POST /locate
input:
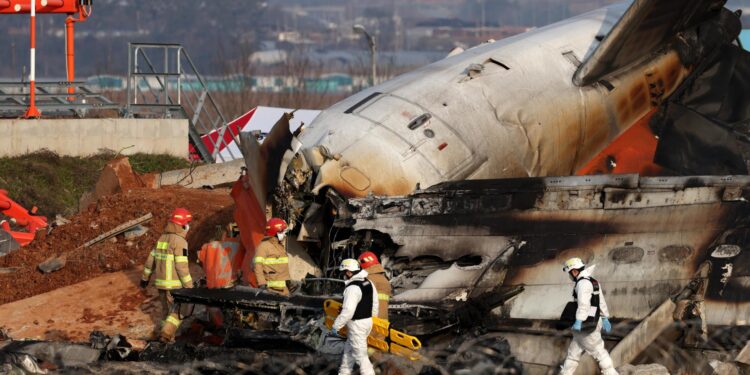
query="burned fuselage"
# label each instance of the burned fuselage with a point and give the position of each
(648, 238)
(539, 104)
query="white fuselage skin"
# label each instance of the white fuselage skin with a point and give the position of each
(486, 121)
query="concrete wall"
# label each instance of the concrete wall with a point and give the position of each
(83, 137)
(204, 175)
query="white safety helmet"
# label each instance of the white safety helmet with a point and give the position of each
(351, 265)
(573, 264)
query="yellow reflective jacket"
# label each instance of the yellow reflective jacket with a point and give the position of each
(271, 263)
(376, 274)
(168, 261)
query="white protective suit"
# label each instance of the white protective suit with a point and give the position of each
(592, 343)
(357, 330)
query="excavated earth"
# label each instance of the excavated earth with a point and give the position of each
(209, 208)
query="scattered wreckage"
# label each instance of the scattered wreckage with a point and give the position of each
(486, 255)
(656, 87)
(10, 238)
(653, 88)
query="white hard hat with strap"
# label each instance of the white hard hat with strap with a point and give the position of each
(351, 265)
(573, 264)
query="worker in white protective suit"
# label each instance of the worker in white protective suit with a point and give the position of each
(360, 305)
(591, 316)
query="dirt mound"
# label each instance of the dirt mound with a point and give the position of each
(209, 208)
(55, 183)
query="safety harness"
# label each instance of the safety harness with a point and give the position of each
(364, 307)
(589, 325)
(568, 315)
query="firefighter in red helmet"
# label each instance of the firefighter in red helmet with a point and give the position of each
(168, 262)
(271, 261)
(369, 262)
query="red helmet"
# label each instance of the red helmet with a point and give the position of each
(181, 216)
(274, 226)
(368, 259)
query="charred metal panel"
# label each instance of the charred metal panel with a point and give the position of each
(703, 129)
(682, 182)
(264, 161)
(536, 184)
(646, 239)
(618, 199)
(249, 298)
(644, 29)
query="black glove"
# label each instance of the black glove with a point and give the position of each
(144, 284)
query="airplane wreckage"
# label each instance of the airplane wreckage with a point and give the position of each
(447, 173)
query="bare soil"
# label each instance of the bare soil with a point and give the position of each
(209, 208)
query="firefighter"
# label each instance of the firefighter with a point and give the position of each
(271, 261)
(221, 261)
(231, 239)
(359, 306)
(168, 262)
(376, 273)
(591, 306)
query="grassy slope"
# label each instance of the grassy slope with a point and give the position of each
(55, 183)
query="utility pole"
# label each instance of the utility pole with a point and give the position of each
(482, 19)
(373, 51)
(32, 111)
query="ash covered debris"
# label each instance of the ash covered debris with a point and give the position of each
(476, 353)
(297, 327)
(704, 128)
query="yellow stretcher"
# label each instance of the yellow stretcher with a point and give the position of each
(382, 337)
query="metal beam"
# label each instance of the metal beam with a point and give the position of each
(637, 340)
(744, 356)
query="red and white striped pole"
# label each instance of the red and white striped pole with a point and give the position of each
(33, 111)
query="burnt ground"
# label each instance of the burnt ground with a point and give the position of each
(209, 208)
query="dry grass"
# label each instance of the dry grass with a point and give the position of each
(55, 183)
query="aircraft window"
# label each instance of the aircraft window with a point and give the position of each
(726, 251)
(627, 254)
(419, 121)
(498, 63)
(675, 254)
(469, 260)
(607, 84)
(571, 56)
(362, 102)
(429, 133)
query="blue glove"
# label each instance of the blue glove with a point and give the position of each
(577, 325)
(606, 325)
(335, 332)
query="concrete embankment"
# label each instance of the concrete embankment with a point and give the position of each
(84, 137)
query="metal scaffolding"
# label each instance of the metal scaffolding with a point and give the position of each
(156, 75)
(52, 99)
